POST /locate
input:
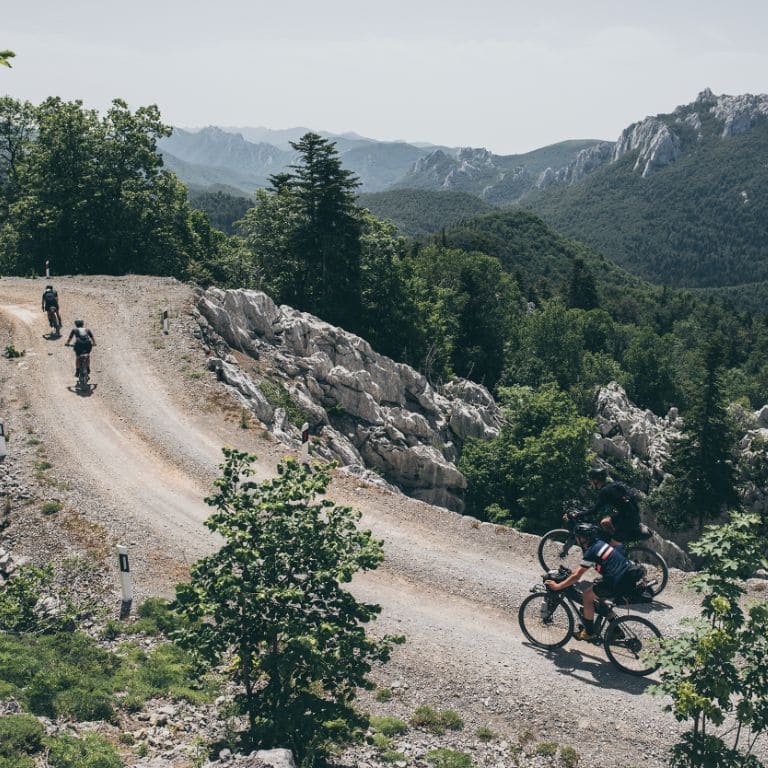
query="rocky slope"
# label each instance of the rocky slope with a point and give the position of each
(365, 409)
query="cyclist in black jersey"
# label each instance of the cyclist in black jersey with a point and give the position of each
(620, 576)
(616, 507)
(82, 340)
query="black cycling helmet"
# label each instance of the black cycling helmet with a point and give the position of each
(48, 287)
(600, 475)
(79, 323)
(587, 531)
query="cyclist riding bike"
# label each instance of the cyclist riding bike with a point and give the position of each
(616, 507)
(620, 576)
(83, 342)
(51, 302)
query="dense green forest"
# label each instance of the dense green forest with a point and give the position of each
(699, 221)
(501, 299)
(223, 209)
(421, 211)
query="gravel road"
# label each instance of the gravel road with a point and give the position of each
(139, 454)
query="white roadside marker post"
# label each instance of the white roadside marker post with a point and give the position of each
(126, 586)
(47, 268)
(166, 321)
(305, 440)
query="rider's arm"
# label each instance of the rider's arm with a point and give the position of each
(93, 340)
(572, 579)
(71, 334)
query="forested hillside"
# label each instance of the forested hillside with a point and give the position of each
(698, 219)
(421, 211)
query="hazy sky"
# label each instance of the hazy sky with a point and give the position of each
(503, 74)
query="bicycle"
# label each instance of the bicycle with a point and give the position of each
(547, 619)
(559, 547)
(54, 321)
(83, 372)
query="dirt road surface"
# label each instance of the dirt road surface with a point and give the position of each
(139, 453)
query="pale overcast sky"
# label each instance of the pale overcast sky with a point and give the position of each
(503, 74)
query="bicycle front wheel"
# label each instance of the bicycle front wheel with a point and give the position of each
(545, 622)
(656, 570)
(558, 548)
(626, 641)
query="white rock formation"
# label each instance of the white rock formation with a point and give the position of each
(365, 409)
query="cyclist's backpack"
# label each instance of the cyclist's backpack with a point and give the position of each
(82, 338)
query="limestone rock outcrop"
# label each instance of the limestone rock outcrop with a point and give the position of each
(363, 409)
(638, 436)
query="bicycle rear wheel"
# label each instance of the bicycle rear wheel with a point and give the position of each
(545, 622)
(558, 548)
(656, 570)
(626, 640)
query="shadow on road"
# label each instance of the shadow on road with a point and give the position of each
(87, 392)
(592, 669)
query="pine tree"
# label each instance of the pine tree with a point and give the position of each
(329, 235)
(701, 465)
(582, 290)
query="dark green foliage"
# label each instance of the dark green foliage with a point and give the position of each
(685, 224)
(701, 462)
(420, 211)
(582, 289)
(538, 461)
(273, 595)
(467, 306)
(89, 193)
(69, 675)
(20, 596)
(90, 751)
(20, 734)
(222, 209)
(718, 669)
(449, 758)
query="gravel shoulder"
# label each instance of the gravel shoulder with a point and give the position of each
(137, 456)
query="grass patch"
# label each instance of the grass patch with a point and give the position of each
(391, 756)
(67, 675)
(51, 507)
(384, 694)
(278, 397)
(11, 352)
(449, 758)
(389, 726)
(381, 742)
(431, 720)
(484, 733)
(20, 735)
(569, 757)
(43, 466)
(92, 751)
(546, 749)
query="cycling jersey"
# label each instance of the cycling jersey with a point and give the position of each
(608, 561)
(617, 501)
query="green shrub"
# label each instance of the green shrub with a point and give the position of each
(382, 742)
(17, 761)
(51, 507)
(428, 719)
(391, 756)
(389, 726)
(11, 352)
(569, 757)
(449, 758)
(20, 734)
(92, 751)
(19, 597)
(484, 733)
(451, 720)
(436, 722)
(546, 749)
(384, 694)
(157, 617)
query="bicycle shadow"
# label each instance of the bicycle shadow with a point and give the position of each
(87, 392)
(652, 607)
(592, 669)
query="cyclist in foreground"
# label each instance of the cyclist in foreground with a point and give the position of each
(83, 341)
(620, 576)
(50, 302)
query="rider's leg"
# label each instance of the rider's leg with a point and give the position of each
(587, 615)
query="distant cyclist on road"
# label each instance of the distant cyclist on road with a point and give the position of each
(51, 301)
(83, 341)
